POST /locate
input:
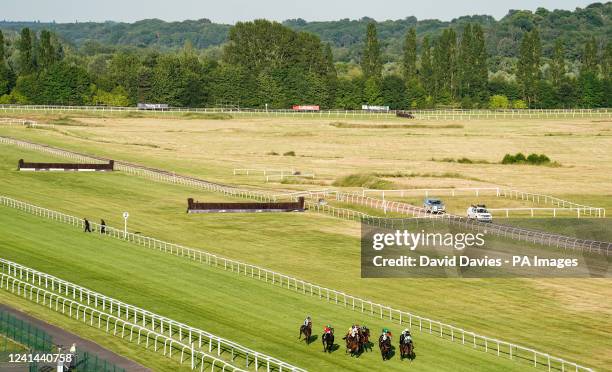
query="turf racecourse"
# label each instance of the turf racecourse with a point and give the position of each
(539, 313)
(523, 311)
(250, 312)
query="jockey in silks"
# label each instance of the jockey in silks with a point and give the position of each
(406, 338)
(328, 329)
(352, 332)
(307, 321)
(386, 334)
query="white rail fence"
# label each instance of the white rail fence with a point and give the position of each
(125, 329)
(581, 210)
(443, 330)
(22, 122)
(418, 114)
(506, 231)
(183, 333)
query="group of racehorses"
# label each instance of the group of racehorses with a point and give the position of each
(358, 340)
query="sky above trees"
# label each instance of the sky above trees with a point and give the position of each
(230, 11)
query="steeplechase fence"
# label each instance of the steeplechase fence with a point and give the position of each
(28, 166)
(199, 207)
(446, 331)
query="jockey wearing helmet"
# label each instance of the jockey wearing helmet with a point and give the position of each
(406, 338)
(328, 329)
(307, 321)
(386, 334)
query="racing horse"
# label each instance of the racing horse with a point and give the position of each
(352, 344)
(364, 339)
(328, 341)
(385, 347)
(406, 350)
(306, 330)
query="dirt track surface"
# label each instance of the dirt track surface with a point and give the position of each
(62, 337)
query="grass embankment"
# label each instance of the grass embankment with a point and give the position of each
(540, 313)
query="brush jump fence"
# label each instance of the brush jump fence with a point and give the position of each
(454, 114)
(123, 328)
(446, 331)
(198, 207)
(22, 165)
(180, 332)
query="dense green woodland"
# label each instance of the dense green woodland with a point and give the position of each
(546, 59)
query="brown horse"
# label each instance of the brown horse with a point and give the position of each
(406, 350)
(352, 344)
(385, 347)
(306, 331)
(364, 339)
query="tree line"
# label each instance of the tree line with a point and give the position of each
(266, 64)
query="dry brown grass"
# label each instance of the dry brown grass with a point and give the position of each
(332, 152)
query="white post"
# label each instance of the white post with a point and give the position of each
(125, 218)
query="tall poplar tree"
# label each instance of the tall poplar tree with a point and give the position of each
(465, 62)
(410, 56)
(589, 57)
(427, 68)
(46, 52)
(26, 57)
(528, 67)
(445, 67)
(4, 72)
(557, 65)
(480, 70)
(371, 63)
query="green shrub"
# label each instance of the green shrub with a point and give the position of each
(544, 159)
(533, 159)
(289, 153)
(498, 102)
(508, 159)
(519, 104)
(272, 153)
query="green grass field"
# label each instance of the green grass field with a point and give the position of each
(247, 311)
(538, 313)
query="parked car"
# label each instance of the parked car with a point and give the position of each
(434, 205)
(479, 213)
